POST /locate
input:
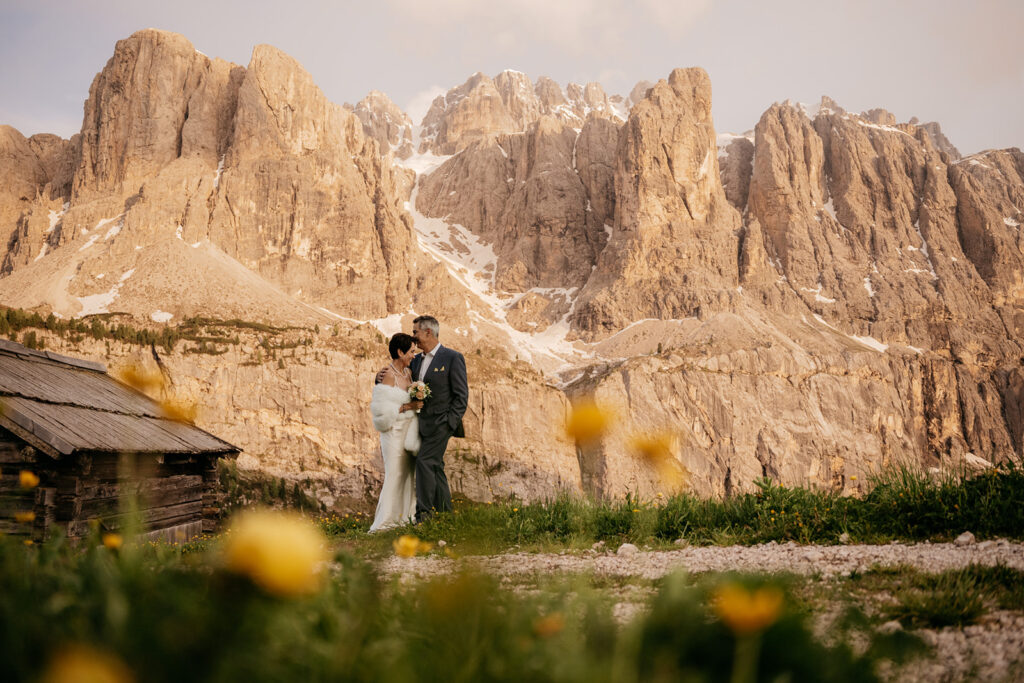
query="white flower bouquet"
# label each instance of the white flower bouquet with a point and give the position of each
(419, 391)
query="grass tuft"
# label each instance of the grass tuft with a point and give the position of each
(903, 505)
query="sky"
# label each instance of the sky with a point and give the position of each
(958, 62)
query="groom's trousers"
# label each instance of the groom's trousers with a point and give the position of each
(432, 492)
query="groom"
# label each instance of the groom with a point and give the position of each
(444, 371)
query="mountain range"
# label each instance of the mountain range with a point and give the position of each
(824, 296)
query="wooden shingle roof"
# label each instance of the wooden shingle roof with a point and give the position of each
(62, 405)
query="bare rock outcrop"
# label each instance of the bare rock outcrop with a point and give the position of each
(386, 123)
(306, 200)
(254, 161)
(470, 112)
(540, 199)
(674, 245)
(484, 108)
(22, 174)
(137, 108)
(861, 221)
(939, 139)
(990, 210)
(736, 165)
(59, 158)
(639, 92)
(839, 410)
(520, 98)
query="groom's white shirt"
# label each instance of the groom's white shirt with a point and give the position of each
(428, 358)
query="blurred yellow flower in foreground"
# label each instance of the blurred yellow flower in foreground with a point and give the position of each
(24, 517)
(658, 450)
(28, 480)
(179, 410)
(112, 541)
(409, 546)
(548, 626)
(746, 611)
(148, 381)
(588, 422)
(80, 664)
(151, 382)
(281, 552)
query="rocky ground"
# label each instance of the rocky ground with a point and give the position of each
(988, 650)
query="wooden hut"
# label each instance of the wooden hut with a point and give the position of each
(100, 449)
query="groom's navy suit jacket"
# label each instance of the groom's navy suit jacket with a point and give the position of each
(449, 391)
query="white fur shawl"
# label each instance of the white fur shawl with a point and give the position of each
(384, 406)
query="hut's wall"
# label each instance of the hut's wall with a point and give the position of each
(168, 495)
(15, 456)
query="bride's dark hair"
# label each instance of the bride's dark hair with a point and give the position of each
(400, 342)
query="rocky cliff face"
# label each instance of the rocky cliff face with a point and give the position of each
(387, 124)
(540, 198)
(821, 298)
(673, 248)
(254, 163)
(482, 108)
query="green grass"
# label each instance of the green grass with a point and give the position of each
(170, 616)
(902, 505)
(956, 597)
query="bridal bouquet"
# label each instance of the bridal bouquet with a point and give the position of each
(419, 391)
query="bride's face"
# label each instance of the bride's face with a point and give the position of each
(406, 356)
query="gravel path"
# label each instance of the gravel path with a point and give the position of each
(827, 561)
(990, 650)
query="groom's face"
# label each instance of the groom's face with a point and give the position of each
(423, 336)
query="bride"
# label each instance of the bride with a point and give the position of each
(394, 416)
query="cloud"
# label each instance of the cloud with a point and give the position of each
(578, 27)
(420, 103)
(675, 18)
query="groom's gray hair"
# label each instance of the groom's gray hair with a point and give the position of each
(429, 322)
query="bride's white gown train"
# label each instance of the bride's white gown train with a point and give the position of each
(397, 504)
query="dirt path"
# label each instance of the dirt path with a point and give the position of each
(827, 561)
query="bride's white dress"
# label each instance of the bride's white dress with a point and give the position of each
(397, 504)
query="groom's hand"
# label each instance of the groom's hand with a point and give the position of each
(380, 375)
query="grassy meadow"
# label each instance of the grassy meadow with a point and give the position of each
(902, 505)
(283, 595)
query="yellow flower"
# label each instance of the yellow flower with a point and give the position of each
(148, 381)
(409, 546)
(24, 517)
(658, 452)
(28, 480)
(28, 541)
(179, 410)
(853, 477)
(548, 626)
(80, 664)
(281, 552)
(745, 611)
(112, 541)
(587, 423)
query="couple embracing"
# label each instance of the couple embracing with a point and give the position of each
(414, 434)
